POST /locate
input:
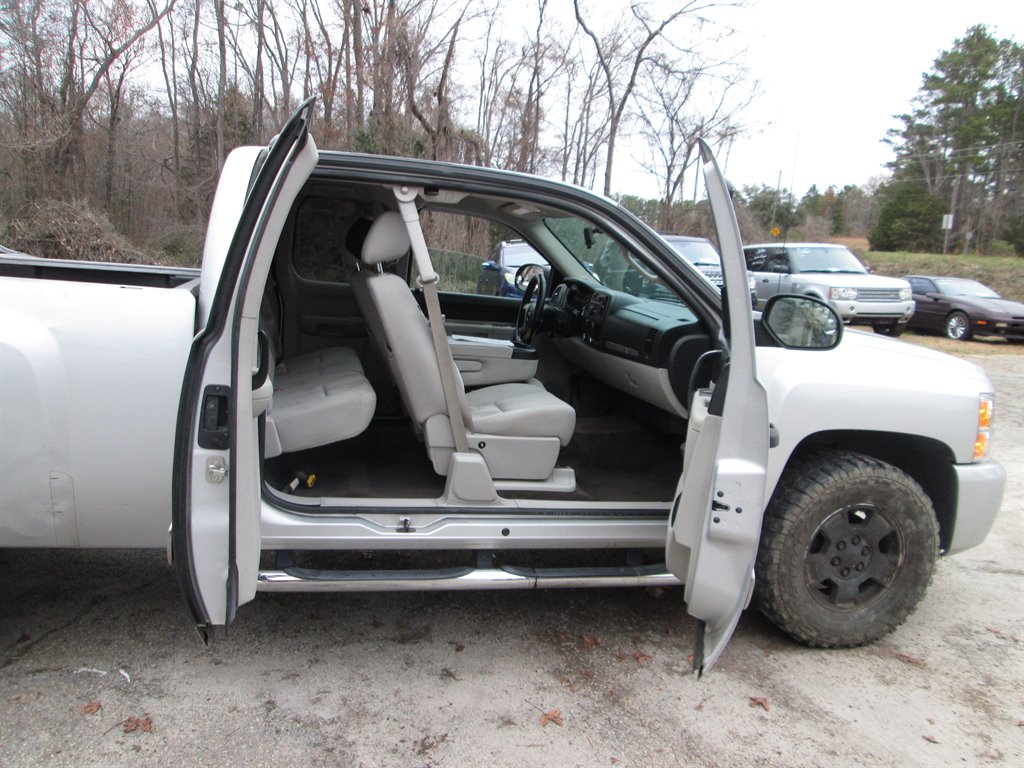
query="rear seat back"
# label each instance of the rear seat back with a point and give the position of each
(318, 398)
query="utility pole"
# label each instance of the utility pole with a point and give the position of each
(947, 221)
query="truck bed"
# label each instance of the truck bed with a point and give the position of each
(142, 275)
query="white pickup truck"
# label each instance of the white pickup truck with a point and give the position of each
(322, 409)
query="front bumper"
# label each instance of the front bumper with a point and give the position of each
(869, 312)
(1011, 329)
(979, 496)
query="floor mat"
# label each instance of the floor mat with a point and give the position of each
(615, 459)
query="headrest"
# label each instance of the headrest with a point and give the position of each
(387, 240)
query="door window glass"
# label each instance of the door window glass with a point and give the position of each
(463, 250)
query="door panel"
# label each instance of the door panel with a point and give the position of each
(492, 317)
(216, 493)
(715, 524)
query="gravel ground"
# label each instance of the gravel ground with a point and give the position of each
(96, 642)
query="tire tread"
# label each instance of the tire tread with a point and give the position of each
(806, 479)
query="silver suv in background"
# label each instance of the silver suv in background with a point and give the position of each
(832, 273)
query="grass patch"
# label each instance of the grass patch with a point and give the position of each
(984, 346)
(1004, 274)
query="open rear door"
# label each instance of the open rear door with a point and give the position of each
(215, 536)
(716, 518)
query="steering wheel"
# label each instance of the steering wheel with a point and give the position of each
(531, 308)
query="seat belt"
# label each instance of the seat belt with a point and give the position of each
(406, 197)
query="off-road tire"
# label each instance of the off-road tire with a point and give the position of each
(847, 551)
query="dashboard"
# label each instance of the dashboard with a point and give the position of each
(646, 347)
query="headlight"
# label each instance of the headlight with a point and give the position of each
(905, 294)
(842, 294)
(510, 277)
(986, 407)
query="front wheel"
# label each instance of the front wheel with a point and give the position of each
(847, 550)
(958, 326)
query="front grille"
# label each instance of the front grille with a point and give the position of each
(878, 294)
(714, 275)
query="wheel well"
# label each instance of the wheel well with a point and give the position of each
(928, 461)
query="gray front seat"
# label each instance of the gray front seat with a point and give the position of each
(518, 428)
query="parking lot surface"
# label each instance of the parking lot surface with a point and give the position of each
(100, 666)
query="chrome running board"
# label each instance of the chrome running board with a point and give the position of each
(309, 580)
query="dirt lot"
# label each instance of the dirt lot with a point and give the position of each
(94, 643)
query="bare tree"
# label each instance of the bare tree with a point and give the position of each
(680, 105)
(62, 56)
(622, 53)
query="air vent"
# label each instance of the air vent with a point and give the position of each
(649, 343)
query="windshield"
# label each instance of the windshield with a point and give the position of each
(700, 253)
(608, 262)
(817, 259)
(957, 286)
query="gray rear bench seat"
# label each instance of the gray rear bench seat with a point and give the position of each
(318, 398)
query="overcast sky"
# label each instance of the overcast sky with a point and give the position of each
(832, 75)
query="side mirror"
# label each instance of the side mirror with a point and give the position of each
(526, 273)
(489, 266)
(802, 322)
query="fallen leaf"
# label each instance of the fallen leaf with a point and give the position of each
(459, 647)
(931, 739)
(552, 716)
(590, 642)
(568, 683)
(428, 743)
(908, 659)
(144, 724)
(91, 708)
(641, 657)
(615, 761)
(564, 636)
(1002, 635)
(759, 701)
(621, 656)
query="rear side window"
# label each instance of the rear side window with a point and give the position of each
(920, 285)
(767, 259)
(321, 224)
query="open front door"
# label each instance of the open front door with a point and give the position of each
(716, 518)
(215, 536)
